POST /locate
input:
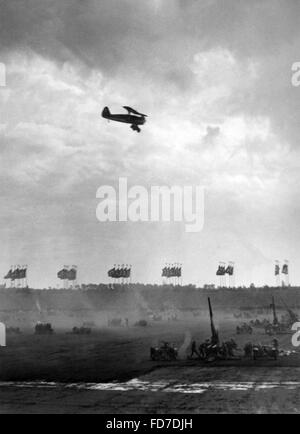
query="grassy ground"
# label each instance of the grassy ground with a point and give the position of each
(110, 354)
(122, 354)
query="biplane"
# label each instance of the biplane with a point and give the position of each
(133, 117)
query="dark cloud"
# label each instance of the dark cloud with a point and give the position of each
(138, 38)
(109, 30)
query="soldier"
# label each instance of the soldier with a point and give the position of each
(276, 345)
(194, 349)
(275, 348)
(230, 346)
(153, 353)
(248, 349)
(203, 349)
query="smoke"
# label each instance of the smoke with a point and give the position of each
(186, 344)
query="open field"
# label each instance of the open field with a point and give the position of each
(113, 354)
(112, 358)
(110, 371)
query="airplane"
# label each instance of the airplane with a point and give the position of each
(133, 117)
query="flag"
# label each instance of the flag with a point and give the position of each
(229, 270)
(118, 273)
(112, 272)
(63, 274)
(9, 275)
(16, 274)
(72, 274)
(122, 271)
(171, 271)
(221, 271)
(23, 273)
(127, 272)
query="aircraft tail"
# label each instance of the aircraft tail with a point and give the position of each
(105, 112)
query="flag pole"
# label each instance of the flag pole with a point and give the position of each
(287, 280)
(277, 273)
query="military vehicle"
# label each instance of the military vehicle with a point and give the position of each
(258, 351)
(115, 322)
(141, 323)
(244, 329)
(155, 317)
(81, 330)
(164, 352)
(262, 324)
(89, 324)
(43, 329)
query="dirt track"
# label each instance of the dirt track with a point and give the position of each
(215, 390)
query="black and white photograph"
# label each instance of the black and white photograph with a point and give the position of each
(149, 209)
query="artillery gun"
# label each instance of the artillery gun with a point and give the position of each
(212, 349)
(277, 327)
(292, 316)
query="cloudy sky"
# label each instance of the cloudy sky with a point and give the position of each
(215, 78)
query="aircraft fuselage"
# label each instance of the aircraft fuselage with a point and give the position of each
(126, 119)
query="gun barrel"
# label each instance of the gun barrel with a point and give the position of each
(210, 309)
(215, 335)
(275, 319)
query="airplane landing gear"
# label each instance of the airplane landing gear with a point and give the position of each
(135, 128)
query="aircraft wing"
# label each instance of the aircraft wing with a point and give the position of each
(131, 110)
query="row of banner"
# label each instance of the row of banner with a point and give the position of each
(120, 272)
(124, 271)
(68, 273)
(223, 270)
(284, 269)
(17, 273)
(172, 270)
